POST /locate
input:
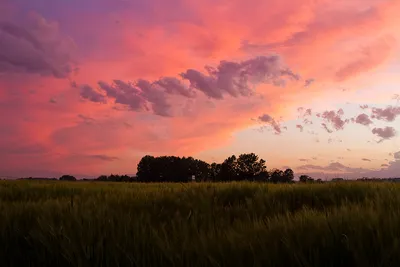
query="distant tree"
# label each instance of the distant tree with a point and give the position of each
(200, 169)
(67, 178)
(288, 176)
(215, 170)
(276, 176)
(172, 169)
(229, 170)
(102, 178)
(249, 166)
(147, 170)
(262, 177)
(305, 179)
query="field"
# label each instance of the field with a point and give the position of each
(236, 224)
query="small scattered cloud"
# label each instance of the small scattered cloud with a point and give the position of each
(304, 112)
(308, 82)
(127, 125)
(307, 121)
(304, 160)
(103, 157)
(389, 113)
(300, 127)
(265, 118)
(326, 128)
(365, 159)
(363, 119)
(334, 118)
(334, 140)
(384, 133)
(92, 95)
(86, 119)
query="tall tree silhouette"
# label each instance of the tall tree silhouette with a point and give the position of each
(249, 166)
(229, 170)
(288, 176)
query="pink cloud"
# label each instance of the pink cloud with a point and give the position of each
(228, 78)
(334, 118)
(298, 126)
(387, 114)
(384, 133)
(363, 119)
(265, 118)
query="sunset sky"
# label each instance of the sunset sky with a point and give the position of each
(88, 87)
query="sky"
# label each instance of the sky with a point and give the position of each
(88, 87)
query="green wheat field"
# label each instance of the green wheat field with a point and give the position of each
(53, 223)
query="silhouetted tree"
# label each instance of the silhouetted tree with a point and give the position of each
(288, 176)
(305, 179)
(102, 178)
(172, 169)
(67, 178)
(229, 170)
(215, 170)
(276, 176)
(262, 177)
(249, 166)
(147, 170)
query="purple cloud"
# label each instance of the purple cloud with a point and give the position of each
(92, 95)
(236, 78)
(326, 128)
(388, 114)
(308, 82)
(103, 157)
(363, 119)
(334, 118)
(332, 167)
(86, 119)
(37, 48)
(298, 126)
(228, 78)
(265, 118)
(384, 133)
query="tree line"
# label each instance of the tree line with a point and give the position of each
(245, 167)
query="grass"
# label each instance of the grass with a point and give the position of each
(233, 224)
